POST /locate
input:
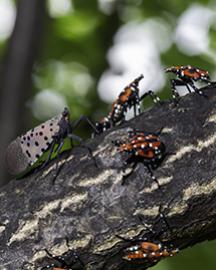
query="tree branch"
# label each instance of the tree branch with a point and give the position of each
(80, 202)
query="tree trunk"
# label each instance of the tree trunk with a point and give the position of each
(78, 201)
(17, 70)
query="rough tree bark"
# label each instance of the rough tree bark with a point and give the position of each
(80, 203)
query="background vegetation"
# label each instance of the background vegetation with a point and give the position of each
(82, 53)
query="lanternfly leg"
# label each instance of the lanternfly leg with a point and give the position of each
(62, 262)
(125, 176)
(51, 150)
(175, 83)
(140, 218)
(198, 91)
(135, 110)
(136, 106)
(57, 258)
(74, 137)
(165, 219)
(158, 133)
(151, 174)
(153, 96)
(61, 143)
(87, 120)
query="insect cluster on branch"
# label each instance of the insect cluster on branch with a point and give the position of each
(139, 146)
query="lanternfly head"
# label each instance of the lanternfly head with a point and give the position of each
(205, 75)
(65, 113)
(171, 69)
(137, 80)
(16, 160)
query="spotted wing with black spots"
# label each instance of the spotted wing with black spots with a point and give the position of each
(26, 149)
(36, 141)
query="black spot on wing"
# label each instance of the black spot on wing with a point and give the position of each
(28, 154)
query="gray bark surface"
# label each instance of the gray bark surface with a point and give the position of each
(78, 202)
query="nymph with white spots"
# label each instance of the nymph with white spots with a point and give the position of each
(63, 262)
(187, 75)
(23, 152)
(144, 251)
(127, 99)
(144, 147)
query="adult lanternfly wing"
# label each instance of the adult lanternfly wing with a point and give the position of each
(26, 149)
(36, 141)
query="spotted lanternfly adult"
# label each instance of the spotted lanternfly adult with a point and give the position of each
(127, 99)
(145, 147)
(23, 152)
(143, 251)
(63, 262)
(187, 75)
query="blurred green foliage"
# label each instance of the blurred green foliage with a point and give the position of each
(75, 46)
(198, 257)
(83, 36)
